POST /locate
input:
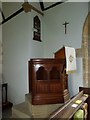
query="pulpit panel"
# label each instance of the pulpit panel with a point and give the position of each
(55, 87)
(42, 87)
(46, 81)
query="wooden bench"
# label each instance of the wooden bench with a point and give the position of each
(67, 111)
(86, 91)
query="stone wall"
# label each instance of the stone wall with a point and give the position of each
(84, 52)
(0, 60)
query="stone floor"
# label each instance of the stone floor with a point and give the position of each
(6, 113)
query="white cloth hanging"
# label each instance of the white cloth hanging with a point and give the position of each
(70, 60)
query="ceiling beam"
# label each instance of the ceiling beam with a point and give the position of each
(13, 15)
(25, 7)
(2, 14)
(51, 6)
(42, 6)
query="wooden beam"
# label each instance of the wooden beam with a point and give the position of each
(53, 5)
(42, 6)
(27, 8)
(36, 10)
(2, 14)
(13, 15)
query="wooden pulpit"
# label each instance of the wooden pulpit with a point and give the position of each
(69, 54)
(48, 82)
(60, 53)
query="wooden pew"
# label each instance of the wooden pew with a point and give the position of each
(86, 91)
(67, 111)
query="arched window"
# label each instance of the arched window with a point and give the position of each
(37, 29)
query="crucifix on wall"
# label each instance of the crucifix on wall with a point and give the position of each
(65, 25)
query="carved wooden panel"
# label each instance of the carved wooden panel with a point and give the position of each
(42, 87)
(46, 81)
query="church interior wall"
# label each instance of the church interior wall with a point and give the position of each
(18, 46)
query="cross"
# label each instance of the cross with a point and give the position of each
(65, 24)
